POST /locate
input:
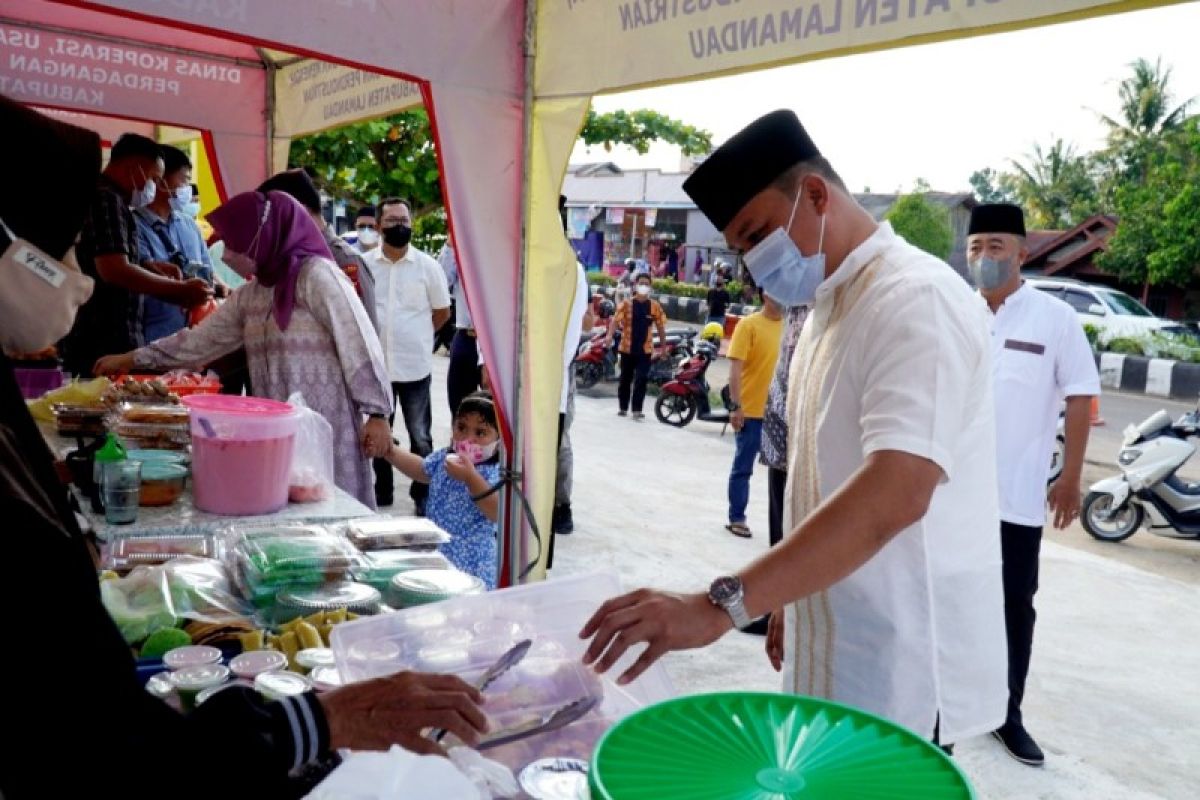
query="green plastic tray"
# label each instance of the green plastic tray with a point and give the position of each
(750, 746)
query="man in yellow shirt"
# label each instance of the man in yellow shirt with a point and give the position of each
(753, 353)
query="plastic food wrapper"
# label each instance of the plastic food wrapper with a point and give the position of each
(466, 635)
(396, 773)
(151, 598)
(75, 393)
(126, 552)
(265, 560)
(385, 533)
(312, 477)
(379, 567)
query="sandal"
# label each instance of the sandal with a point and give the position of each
(739, 529)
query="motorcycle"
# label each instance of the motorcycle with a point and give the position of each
(595, 362)
(1148, 490)
(685, 396)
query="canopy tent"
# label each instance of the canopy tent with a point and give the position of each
(507, 84)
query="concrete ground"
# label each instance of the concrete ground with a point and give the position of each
(1112, 691)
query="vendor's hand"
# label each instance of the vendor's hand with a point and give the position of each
(220, 290)
(774, 644)
(376, 714)
(192, 292)
(459, 468)
(737, 420)
(166, 269)
(1064, 499)
(377, 438)
(114, 365)
(666, 622)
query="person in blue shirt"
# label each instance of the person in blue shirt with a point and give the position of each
(167, 231)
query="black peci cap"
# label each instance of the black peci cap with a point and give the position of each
(997, 218)
(747, 164)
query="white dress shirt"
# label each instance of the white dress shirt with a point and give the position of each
(579, 306)
(895, 356)
(1040, 355)
(406, 293)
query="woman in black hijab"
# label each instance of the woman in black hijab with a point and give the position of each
(73, 719)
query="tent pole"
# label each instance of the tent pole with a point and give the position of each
(271, 69)
(515, 523)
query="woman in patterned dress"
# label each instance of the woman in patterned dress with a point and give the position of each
(303, 327)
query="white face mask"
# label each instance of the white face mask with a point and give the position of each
(643, 290)
(39, 297)
(182, 198)
(146, 196)
(782, 271)
(368, 237)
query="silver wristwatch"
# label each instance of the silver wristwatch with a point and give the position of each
(726, 593)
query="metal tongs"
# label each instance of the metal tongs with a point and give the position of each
(560, 717)
(503, 664)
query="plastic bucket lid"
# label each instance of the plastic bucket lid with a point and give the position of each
(767, 747)
(223, 416)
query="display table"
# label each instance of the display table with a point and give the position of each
(182, 516)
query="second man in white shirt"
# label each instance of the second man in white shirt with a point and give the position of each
(412, 301)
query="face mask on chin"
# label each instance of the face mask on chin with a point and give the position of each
(782, 271)
(39, 296)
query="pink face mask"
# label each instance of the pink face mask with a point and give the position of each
(477, 453)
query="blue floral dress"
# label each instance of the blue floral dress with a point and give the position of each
(473, 546)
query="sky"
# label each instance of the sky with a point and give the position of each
(939, 111)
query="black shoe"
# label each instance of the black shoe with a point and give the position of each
(419, 509)
(562, 523)
(758, 627)
(622, 413)
(1019, 744)
(384, 500)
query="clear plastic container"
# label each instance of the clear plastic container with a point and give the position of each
(420, 586)
(380, 566)
(254, 663)
(241, 453)
(300, 602)
(191, 681)
(162, 483)
(192, 655)
(126, 552)
(383, 533)
(152, 414)
(465, 635)
(284, 555)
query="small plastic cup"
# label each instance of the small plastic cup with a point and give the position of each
(313, 657)
(122, 485)
(325, 679)
(278, 685)
(254, 663)
(192, 655)
(191, 681)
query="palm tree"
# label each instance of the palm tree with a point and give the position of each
(1054, 185)
(1148, 115)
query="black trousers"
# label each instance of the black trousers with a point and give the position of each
(634, 369)
(463, 375)
(776, 483)
(412, 399)
(1020, 546)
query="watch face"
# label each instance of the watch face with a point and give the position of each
(724, 589)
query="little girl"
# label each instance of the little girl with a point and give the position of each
(457, 475)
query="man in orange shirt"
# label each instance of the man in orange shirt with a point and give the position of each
(634, 317)
(752, 353)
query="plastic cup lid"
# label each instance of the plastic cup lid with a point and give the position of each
(190, 656)
(210, 691)
(238, 405)
(163, 471)
(256, 662)
(314, 657)
(325, 678)
(436, 581)
(200, 677)
(160, 685)
(149, 457)
(333, 595)
(275, 685)
(555, 779)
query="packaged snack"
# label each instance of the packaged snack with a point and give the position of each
(283, 555)
(421, 586)
(380, 566)
(153, 413)
(78, 420)
(126, 552)
(299, 602)
(382, 533)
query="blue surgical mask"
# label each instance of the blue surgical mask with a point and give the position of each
(782, 271)
(181, 199)
(990, 273)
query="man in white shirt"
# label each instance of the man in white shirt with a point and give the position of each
(1040, 356)
(891, 570)
(412, 301)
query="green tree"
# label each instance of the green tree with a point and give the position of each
(1148, 111)
(1158, 238)
(1056, 186)
(923, 224)
(640, 129)
(991, 186)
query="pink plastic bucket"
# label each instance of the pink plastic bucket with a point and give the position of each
(241, 453)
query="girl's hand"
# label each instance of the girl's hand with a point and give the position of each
(460, 468)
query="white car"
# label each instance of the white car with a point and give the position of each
(1113, 312)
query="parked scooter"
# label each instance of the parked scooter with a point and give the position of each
(685, 397)
(1148, 490)
(595, 362)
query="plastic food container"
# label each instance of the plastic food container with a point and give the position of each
(256, 662)
(241, 453)
(72, 420)
(278, 685)
(127, 552)
(191, 681)
(193, 655)
(421, 586)
(152, 414)
(273, 559)
(382, 533)
(300, 602)
(379, 567)
(162, 483)
(158, 457)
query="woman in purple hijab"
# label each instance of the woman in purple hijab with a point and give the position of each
(303, 327)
